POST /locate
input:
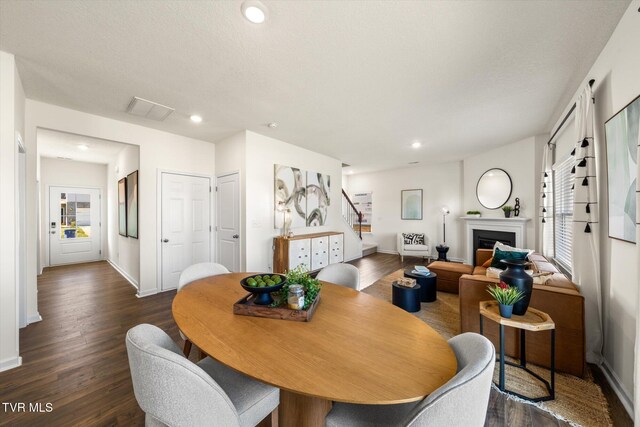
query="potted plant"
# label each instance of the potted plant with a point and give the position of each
(299, 276)
(507, 211)
(476, 214)
(506, 296)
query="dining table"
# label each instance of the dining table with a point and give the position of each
(355, 349)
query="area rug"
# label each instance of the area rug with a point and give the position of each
(579, 401)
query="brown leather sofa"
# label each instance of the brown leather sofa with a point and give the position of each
(559, 297)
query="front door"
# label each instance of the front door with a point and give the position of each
(228, 203)
(186, 224)
(74, 225)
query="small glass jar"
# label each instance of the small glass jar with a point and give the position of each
(295, 299)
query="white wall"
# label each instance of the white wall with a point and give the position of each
(441, 185)
(122, 252)
(69, 173)
(616, 74)
(230, 158)
(158, 150)
(261, 154)
(12, 102)
(522, 161)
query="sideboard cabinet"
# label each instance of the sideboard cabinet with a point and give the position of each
(315, 251)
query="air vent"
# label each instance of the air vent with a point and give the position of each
(344, 165)
(148, 109)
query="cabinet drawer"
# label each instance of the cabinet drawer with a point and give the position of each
(319, 244)
(319, 261)
(336, 241)
(299, 253)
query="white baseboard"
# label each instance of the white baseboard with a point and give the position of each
(385, 251)
(142, 294)
(351, 259)
(10, 363)
(123, 273)
(618, 388)
(34, 318)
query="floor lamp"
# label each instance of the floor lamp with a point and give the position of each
(442, 248)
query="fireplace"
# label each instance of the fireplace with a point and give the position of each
(485, 239)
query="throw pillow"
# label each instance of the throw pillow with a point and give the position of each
(507, 248)
(413, 238)
(487, 263)
(499, 255)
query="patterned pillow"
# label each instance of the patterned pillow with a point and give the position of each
(413, 238)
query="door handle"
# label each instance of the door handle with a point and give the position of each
(165, 240)
(235, 236)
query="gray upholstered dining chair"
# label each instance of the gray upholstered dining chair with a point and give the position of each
(173, 391)
(462, 401)
(190, 274)
(341, 274)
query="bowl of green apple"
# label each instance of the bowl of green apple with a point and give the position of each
(261, 286)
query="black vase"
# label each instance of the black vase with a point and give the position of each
(515, 276)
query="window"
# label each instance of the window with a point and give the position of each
(75, 216)
(563, 212)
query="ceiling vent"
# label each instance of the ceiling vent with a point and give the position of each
(148, 109)
(344, 165)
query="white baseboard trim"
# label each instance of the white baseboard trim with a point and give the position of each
(34, 318)
(618, 388)
(351, 259)
(10, 363)
(385, 251)
(123, 273)
(142, 294)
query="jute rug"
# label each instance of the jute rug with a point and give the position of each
(578, 400)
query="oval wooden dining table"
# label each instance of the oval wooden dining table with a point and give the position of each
(356, 348)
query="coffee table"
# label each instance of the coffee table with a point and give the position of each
(428, 284)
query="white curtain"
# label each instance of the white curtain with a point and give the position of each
(586, 230)
(637, 366)
(546, 202)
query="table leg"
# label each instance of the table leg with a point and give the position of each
(481, 325)
(553, 364)
(523, 349)
(297, 410)
(501, 357)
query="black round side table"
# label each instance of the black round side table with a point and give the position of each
(406, 298)
(428, 284)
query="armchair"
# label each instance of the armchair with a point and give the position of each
(417, 250)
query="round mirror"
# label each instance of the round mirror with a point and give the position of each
(494, 188)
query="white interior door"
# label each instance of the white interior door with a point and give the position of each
(186, 224)
(74, 225)
(228, 203)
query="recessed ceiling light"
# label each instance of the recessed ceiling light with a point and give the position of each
(254, 11)
(83, 147)
(416, 144)
(273, 125)
(195, 118)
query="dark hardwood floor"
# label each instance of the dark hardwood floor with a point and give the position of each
(76, 359)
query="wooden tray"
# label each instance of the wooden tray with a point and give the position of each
(246, 307)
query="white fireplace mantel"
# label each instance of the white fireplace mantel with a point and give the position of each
(517, 225)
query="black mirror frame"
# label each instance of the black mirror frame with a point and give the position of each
(510, 188)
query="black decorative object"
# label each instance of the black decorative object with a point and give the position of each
(543, 221)
(583, 163)
(588, 209)
(407, 299)
(546, 175)
(544, 210)
(442, 252)
(573, 186)
(544, 196)
(428, 284)
(516, 208)
(587, 229)
(585, 143)
(573, 169)
(573, 152)
(515, 276)
(263, 295)
(585, 182)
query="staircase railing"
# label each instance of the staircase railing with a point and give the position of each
(352, 215)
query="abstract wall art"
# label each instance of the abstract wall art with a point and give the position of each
(132, 205)
(290, 189)
(318, 198)
(622, 133)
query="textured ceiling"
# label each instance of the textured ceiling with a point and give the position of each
(61, 144)
(356, 80)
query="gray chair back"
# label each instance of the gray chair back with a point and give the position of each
(169, 388)
(341, 274)
(200, 271)
(462, 401)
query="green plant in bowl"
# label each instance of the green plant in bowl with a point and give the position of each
(299, 276)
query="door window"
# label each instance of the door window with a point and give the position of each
(75, 215)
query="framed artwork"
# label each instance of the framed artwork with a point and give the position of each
(290, 186)
(622, 135)
(411, 204)
(132, 205)
(318, 198)
(122, 207)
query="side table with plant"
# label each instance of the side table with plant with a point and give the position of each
(506, 296)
